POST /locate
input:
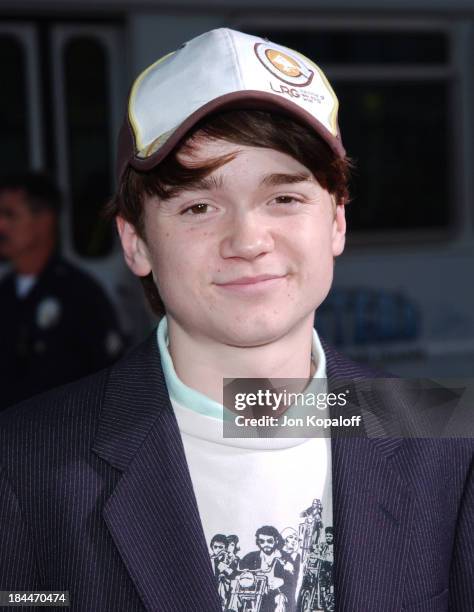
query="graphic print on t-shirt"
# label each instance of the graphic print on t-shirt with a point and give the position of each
(288, 571)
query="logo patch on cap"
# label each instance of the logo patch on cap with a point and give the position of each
(288, 68)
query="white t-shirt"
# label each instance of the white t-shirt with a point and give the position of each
(265, 503)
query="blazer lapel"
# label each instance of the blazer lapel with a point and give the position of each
(152, 514)
(373, 512)
(153, 517)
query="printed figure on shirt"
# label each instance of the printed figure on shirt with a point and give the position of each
(225, 563)
(325, 552)
(310, 529)
(271, 570)
(317, 589)
(291, 546)
(218, 551)
(315, 512)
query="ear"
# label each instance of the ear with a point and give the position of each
(134, 248)
(339, 230)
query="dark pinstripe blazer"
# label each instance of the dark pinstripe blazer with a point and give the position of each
(96, 498)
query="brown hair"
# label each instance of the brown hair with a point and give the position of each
(253, 128)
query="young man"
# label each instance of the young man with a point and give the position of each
(230, 207)
(46, 303)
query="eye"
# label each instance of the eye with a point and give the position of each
(287, 199)
(196, 209)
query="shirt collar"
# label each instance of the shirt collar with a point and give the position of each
(198, 402)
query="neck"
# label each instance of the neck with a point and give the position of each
(34, 259)
(287, 357)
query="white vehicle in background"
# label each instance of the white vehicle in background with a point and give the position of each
(404, 74)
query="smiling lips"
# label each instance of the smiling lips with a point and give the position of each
(260, 281)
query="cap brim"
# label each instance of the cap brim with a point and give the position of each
(242, 100)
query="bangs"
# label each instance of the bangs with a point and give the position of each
(175, 177)
(248, 128)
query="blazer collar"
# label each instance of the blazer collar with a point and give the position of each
(136, 396)
(372, 502)
(154, 519)
(342, 371)
(152, 514)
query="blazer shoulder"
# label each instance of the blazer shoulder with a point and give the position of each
(69, 411)
(340, 366)
(53, 417)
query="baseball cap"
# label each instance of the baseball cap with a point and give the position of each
(221, 70)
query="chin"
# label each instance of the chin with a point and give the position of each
(256, 332)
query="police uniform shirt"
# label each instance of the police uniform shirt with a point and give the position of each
(62, 328)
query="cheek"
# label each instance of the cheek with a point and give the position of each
(179, 263)
(24, 232)
(167, 265)
(319, 274)
(314, 248)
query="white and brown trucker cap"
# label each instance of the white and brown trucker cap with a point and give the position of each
(221, 70)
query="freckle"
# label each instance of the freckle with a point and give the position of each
(167, 234)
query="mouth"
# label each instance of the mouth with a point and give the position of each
(252, 284)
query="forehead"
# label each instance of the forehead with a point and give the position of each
(14, 199)
(200, 150)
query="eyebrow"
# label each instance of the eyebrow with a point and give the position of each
(207, 183)
(275, 179)
(211, 183)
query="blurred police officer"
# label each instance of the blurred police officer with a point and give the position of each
(56, 323)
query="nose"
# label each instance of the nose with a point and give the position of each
(246, 237)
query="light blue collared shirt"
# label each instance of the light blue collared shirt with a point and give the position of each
(198, 402)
